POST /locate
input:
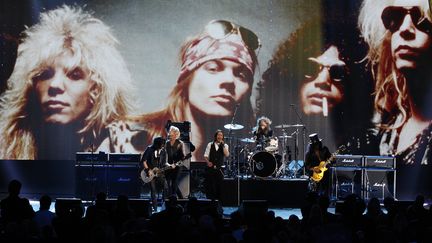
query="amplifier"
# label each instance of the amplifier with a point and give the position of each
(355, 161)
(380, 162)
(126, 158)
(91, 157)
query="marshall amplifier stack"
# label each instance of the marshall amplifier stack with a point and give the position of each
(347, 175)
(379, 177)
(365, 176)
(114, 174)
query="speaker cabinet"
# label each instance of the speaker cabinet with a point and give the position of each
(345, 181)
(123, 179)
(184, 183)
(90, 179)
(113, 179)
(379, 183)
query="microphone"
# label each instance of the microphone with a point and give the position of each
(292, 105)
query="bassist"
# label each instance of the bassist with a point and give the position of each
(317, 153)
(150, 160)
(214, 155)
(175, 153)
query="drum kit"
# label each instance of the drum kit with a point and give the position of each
(273, 159)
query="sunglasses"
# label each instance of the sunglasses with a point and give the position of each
(219, 29)
(393, 17)
(337, 72)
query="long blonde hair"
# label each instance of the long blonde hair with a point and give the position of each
(391, 93)
(92, 45)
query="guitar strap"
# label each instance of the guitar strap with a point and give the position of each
(317, 153)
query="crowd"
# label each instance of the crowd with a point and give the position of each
(354, 221)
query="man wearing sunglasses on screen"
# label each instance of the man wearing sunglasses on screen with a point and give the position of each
(214, 83)
(318, 66)
(322, 89)
(401, 53)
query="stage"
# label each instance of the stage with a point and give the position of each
(66, 179)
(283, 193)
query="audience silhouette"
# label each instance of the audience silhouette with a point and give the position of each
(119, 221)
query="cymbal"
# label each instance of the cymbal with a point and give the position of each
(233, 126)
(289, 125)
(281, 137)
(248, 140)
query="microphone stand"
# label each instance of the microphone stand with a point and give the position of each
(238, 161)
(303, 140)
(230, 171)
(92, 174)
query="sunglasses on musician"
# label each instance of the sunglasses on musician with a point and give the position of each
(220, 29)
(393, 17)
(337, 72)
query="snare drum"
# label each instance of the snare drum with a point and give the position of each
(263, 164)
(272, 145)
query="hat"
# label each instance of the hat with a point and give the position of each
(206, 48)
(314, 138)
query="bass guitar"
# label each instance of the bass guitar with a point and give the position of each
(155, 172)
(318, 171)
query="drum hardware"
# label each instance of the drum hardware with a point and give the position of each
(289, 126)
(284, 137)
(248, 140)
(290, 167)
(233, 127)
(281, 171)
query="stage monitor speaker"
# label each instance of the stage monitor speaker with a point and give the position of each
(65, 207)
(123, 179)
(140, 207)
(339, 207)
(90, 180)
(345, 182)
(379, 183)
(205, 206)
(253, 209)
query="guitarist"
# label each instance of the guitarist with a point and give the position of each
(315, 154)
(174, 153)
(214, 155)
(153, 157)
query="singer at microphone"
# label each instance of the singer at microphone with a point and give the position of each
(214, 155)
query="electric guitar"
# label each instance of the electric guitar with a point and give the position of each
(322, 167)
(155, 172)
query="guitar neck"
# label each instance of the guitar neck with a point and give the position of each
(329, 160)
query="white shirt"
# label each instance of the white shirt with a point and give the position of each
(207, 151)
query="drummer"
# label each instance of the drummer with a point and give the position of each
(263, 132)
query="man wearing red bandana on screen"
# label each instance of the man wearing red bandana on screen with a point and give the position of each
(216, 77)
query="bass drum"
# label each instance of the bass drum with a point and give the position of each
(263, 164)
